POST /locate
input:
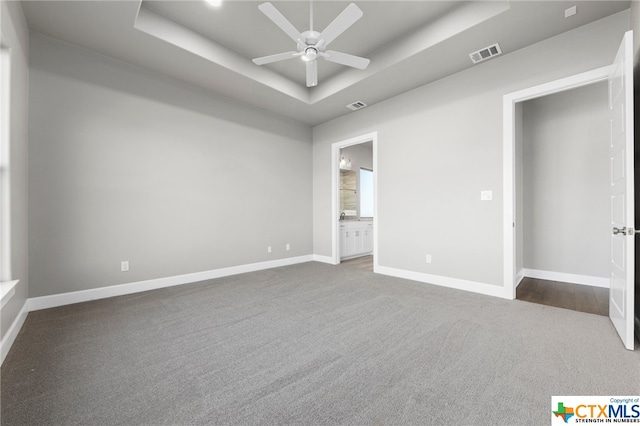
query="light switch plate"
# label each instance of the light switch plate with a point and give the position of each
(571, 11)
(486, 195)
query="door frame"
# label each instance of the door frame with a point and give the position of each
(335, 194)
(509, 102)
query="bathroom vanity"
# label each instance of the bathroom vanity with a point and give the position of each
(356, 238)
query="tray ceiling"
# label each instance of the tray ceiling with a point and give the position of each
(410, 43)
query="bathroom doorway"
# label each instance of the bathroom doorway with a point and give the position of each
(354, 187)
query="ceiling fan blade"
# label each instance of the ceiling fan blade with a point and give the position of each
(312, 73)
(282, 22)
(343, 21)
(346, 59)
(275, 58)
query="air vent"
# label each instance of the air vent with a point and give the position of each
(486, 53)
(356, 105)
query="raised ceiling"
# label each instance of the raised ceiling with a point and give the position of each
(251, 34)
(410, 43)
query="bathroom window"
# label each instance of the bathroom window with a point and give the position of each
(366, 193)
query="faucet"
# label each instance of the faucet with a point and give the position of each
(342, 215)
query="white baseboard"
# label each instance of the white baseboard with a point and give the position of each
(12, 332)
(458, 284)
(355, 256)
(55, 300)
(519, 278)
(567, 278)
(323, 259)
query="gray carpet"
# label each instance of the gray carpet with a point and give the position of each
(308, 344)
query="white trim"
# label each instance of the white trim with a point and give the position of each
(323, 259)
(5, 163)
(508, 150)
(52, 301)
(335, 193)
(355, 256)
(7, 290)
(567, 278)
(455, 283)
(12, 332)
(519, 278)
(55, 300)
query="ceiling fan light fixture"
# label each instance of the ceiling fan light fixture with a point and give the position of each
(214, 3)
(310, 53)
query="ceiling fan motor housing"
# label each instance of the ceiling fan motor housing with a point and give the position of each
(310, 37)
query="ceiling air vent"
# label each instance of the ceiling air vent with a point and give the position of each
(486, 53)
(356, 105)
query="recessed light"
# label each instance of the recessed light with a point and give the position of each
(214, 3)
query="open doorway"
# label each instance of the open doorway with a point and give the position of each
(356, 205)
(354, 187)
(562, 205)
(619, 76)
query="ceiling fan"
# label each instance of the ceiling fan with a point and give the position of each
(312, 44)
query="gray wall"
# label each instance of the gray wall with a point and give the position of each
(126, 164)
(361, 155)
(440, 145)
(567, 220)
(16, 36)
(635, 26)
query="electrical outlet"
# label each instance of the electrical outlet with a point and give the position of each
(269, 249)
(124, 266)
(287, 247)
(486, 195)
(428, 258)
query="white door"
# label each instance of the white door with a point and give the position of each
(359, 243)
(344, 247)
(351, 242)
(621, 297)
(368, 239)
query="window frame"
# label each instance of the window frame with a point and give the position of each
(7, 284)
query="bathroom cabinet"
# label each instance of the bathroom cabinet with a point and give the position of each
(356, 238)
